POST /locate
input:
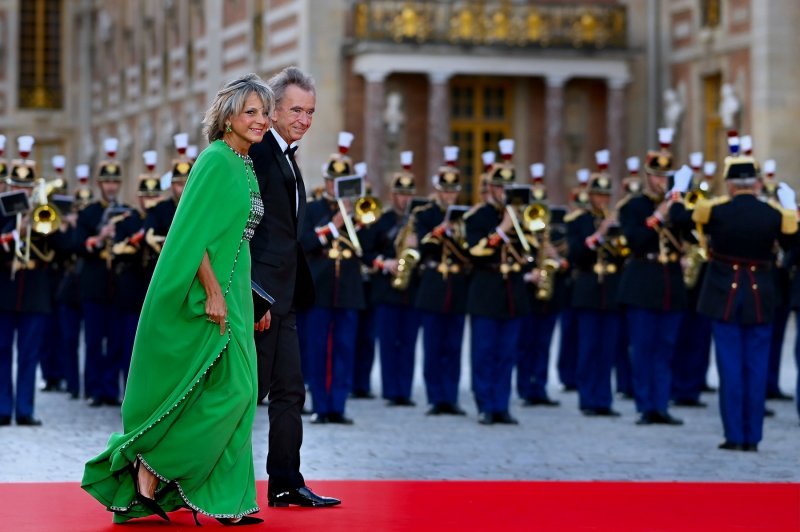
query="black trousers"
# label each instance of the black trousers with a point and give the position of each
(280, 380)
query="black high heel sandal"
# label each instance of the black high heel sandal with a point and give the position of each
(147, 502)
(244, 521)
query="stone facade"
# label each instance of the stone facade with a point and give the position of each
(144, 70)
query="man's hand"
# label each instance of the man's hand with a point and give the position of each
(337, 220)
(390, 266)
(264, 323)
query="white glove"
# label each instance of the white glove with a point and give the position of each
(683, 178)
(787, 197)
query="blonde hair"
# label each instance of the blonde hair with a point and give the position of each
(230, 101)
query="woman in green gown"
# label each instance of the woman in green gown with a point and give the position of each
(190, 399)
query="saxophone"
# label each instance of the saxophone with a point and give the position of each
(694, 259)
(407, 257)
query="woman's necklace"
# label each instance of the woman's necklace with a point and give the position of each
(248, 163)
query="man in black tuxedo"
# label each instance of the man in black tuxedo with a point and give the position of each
(280, 267)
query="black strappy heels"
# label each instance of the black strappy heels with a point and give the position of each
(227, 521)
(147, 502)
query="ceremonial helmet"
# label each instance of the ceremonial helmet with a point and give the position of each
(503, 173)
(109, 169)
(339, 164)
(182, 164)
(448, 177)
(538, 188)
(403, 181)
(149, 183)
(660, 162)
(599, 181)
(23, 170)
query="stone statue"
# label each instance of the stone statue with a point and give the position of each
(673, 108)
(393, 116)
(729, 107)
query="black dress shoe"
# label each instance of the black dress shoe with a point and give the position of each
(242, 521)
(768, 412)
(305, 412)
(339, 419)
(401, 401)
(692, 403)
(362, 395)
(664, 418)
(540, 401)
(750, 447)
(453, 409)
(319, 419)
(299, 497)
(95, 402)
(435, 410)
(112, 402)
(708, 389)
(730, 446)
(5, 420)
(504, 418)
(570, 388)
(52, 386)
(647, 418)
(485, 418)
(779, 396)
(602, 412)
(28, 421)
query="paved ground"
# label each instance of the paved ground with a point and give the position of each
(402, 443)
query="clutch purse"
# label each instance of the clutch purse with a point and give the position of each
(262, 301)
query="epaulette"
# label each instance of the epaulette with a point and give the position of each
(624, 201)
(702, 211)
(788, 218)
(420, 208)
(475, 208)
(574, 215)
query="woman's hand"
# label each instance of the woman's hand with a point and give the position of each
(263, 324)
(217, 310)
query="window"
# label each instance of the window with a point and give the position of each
(40, 80)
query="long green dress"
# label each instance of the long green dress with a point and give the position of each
(191, 394)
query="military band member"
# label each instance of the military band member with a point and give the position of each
(597, 257)
(365, 335)
(497, 297)
(94, 237)
(333, 258)
(546, 302)
(394, 287)
(568, 323)
(26, 299)
(738, 293)
(690, 365)
(444, 283)
(783, 303)
(652, 286)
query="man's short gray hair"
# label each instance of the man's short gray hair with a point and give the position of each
(290, 76)
(230, 101)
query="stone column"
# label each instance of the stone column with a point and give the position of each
(616, 133)
(554, 148)
(438, 124)
(375, 93)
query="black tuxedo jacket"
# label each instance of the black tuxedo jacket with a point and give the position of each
(279, 264)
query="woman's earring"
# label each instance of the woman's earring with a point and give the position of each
(228, 128)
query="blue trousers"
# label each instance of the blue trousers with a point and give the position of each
(598, 340)
(331, 349)
(742, 360)
(692, 354)
(442, 335)
(396, 327)
(622, 362)
(653, 337)
(101, 372)
(69, 330)
(568, 350)
(495, 344)
(31, 329)
(123, 334)
(365, 351)
(534, 354)
(50, 362)
(776, 348)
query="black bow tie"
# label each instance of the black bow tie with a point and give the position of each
(290, 150)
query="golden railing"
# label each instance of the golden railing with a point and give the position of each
(490, 23)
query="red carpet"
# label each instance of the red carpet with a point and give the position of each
(452, 505)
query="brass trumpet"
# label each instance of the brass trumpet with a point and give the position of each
(367, 210)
